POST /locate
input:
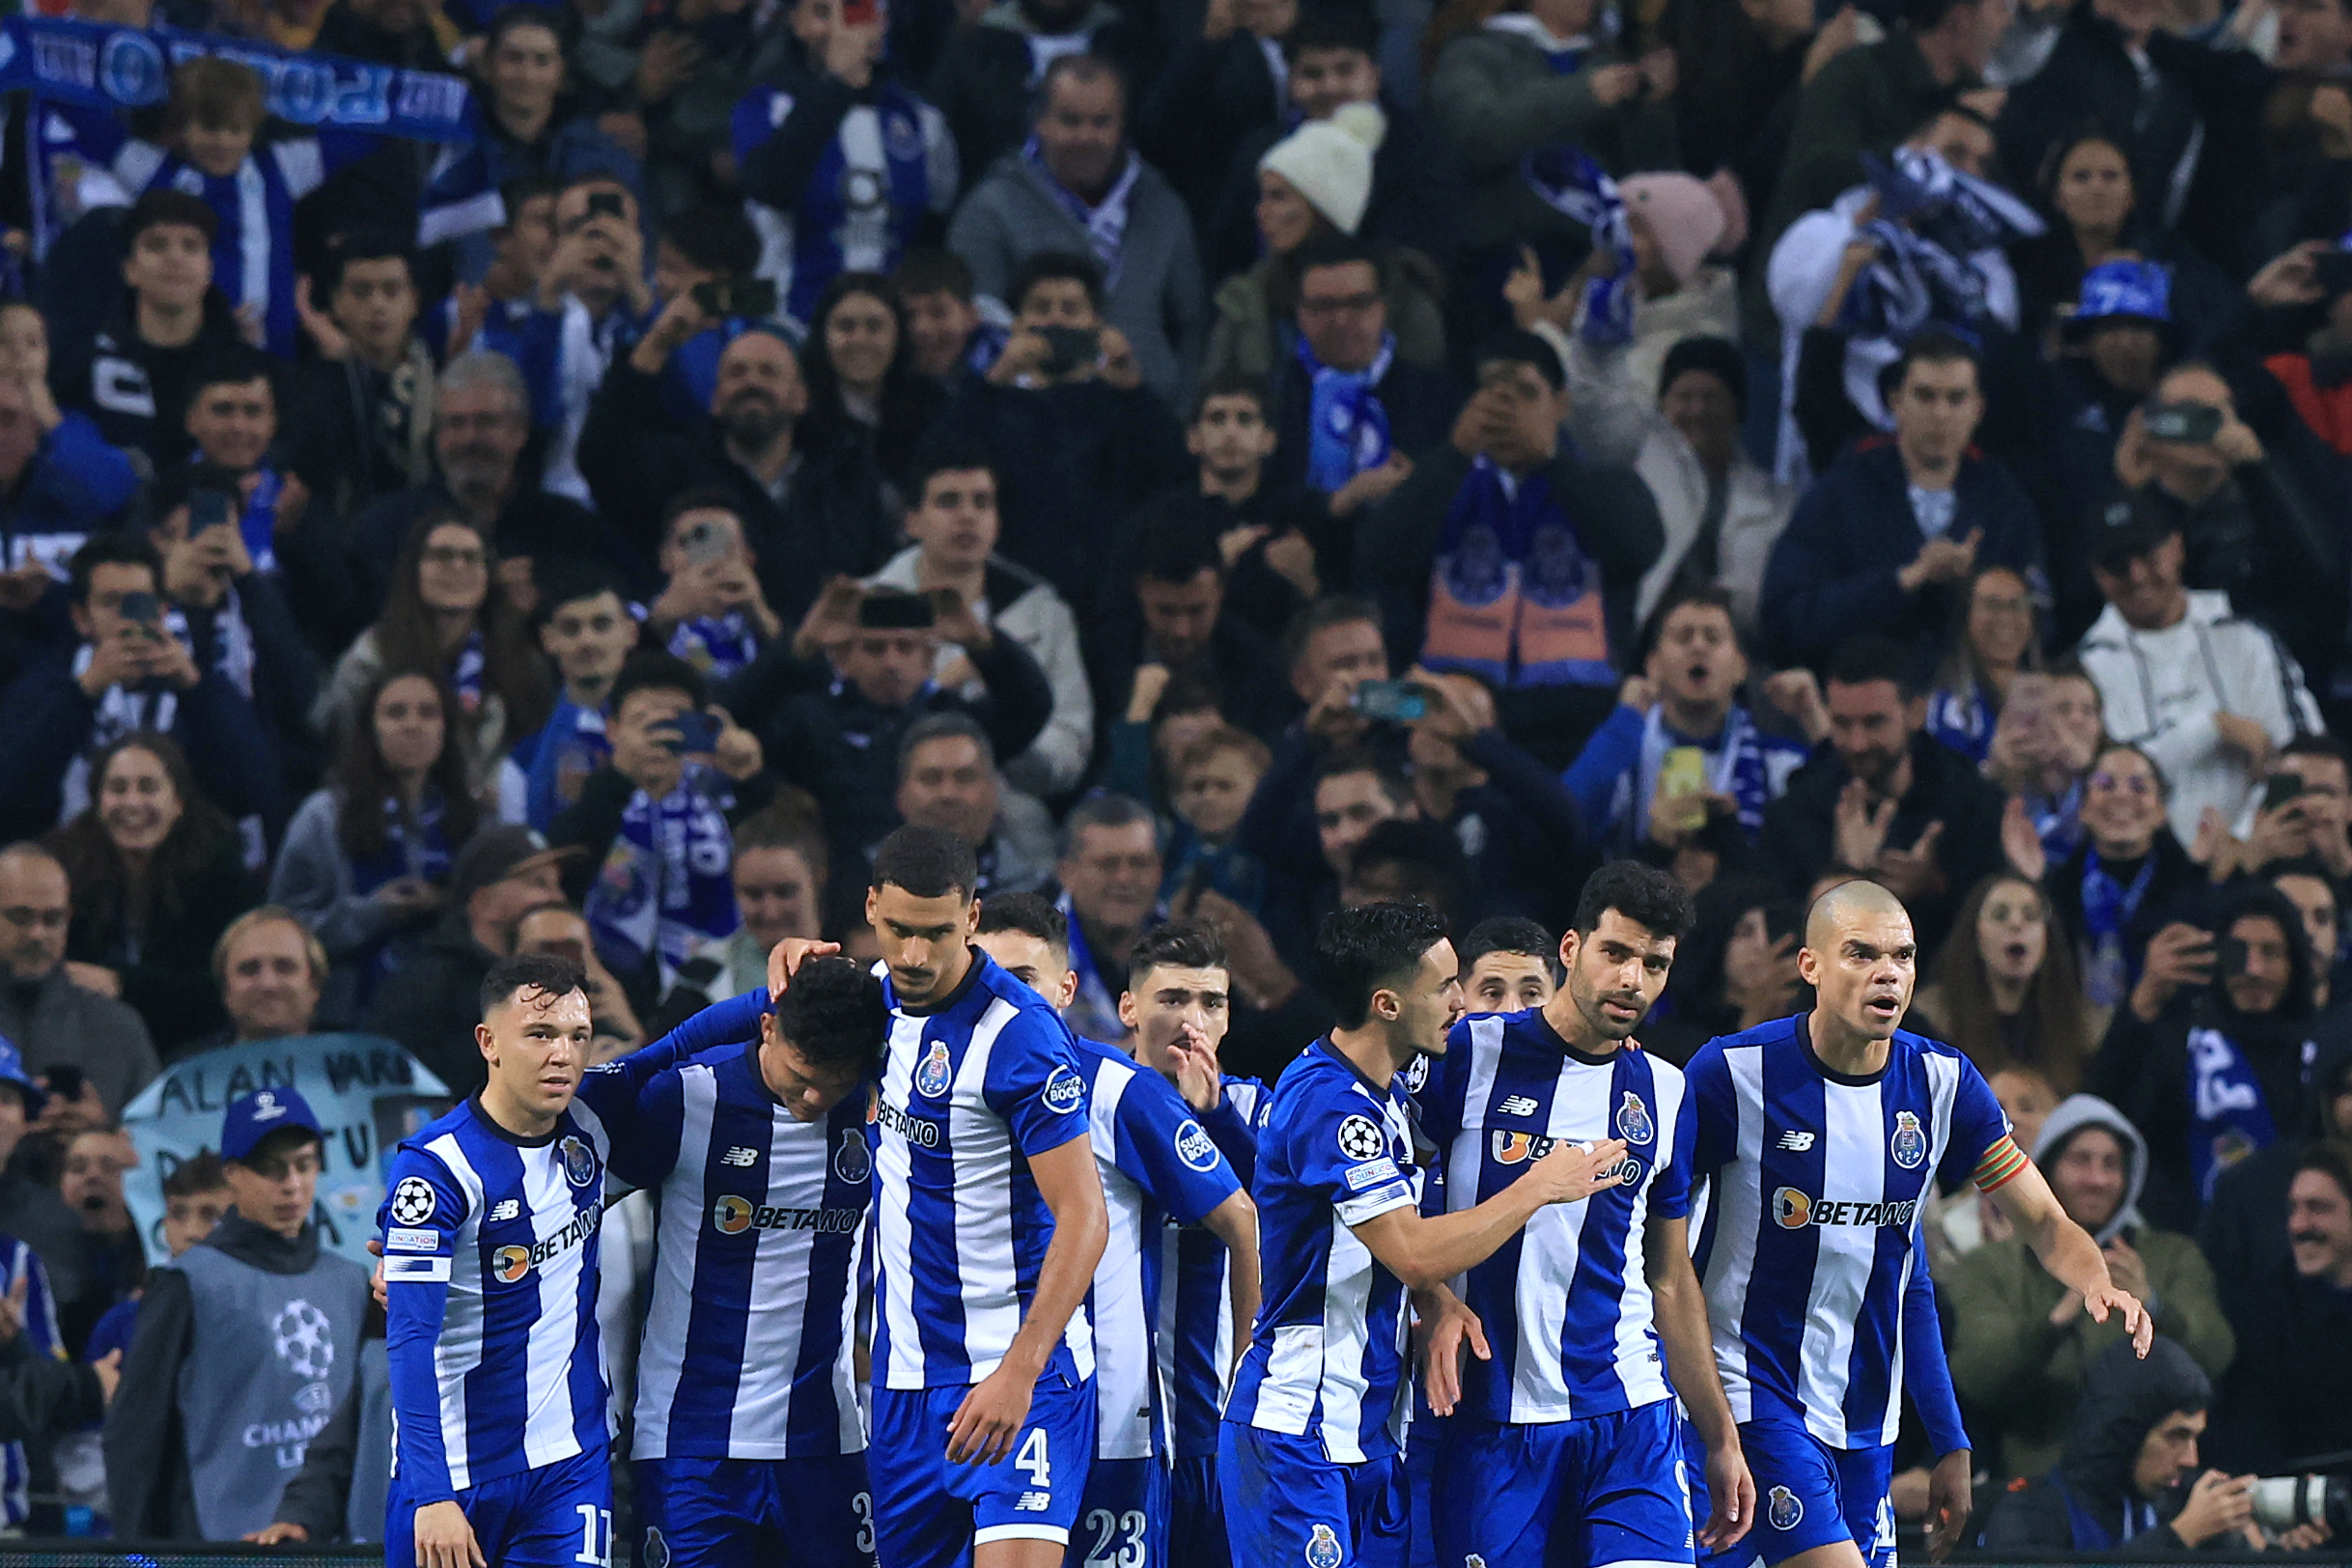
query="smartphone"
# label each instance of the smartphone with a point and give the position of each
(748, 298)
(2187, 424)
(65, 1081)
(142, 608)
(696, 732)
(208, 509)
(704, 544)
(1397, 702)
(1069, 346)
(607, 204)
(2231, 959)
(2280, 788)
(1683, 773)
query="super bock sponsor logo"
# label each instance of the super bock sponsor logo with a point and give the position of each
(1065, 1091)
(1194, 1147)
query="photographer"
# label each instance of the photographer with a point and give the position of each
(2289, 1395)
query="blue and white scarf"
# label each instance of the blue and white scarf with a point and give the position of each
(717, 647)
(1570, 183)
(465, 675)
(663, 893)
(1105, 221)
(1347, 425)
(1736, 767)
(2227, 1116)
(2108, 908)
(258, 522)
(1962, 720)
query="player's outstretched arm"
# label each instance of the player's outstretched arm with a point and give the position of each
(1681, 1309)
(2074, 1260)
(1927, 1378)
(1235, 1222)
(421, 1217)
(989, 1418)
(1426, 1253)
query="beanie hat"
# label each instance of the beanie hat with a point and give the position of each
(1330, 162)
(1715, 356)
(1682, 213)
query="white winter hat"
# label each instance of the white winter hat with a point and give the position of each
(1330, 162)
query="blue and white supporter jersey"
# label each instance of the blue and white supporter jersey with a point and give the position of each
(1327, 1356)
(490, 1270)
(1566, 1302)
(748, 1340)
(1194, 1326)
(1159, 1166)
(970, 1089)
(1807, 1229)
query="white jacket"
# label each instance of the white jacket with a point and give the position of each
(2162, 688)
(1755, 510)
(1024, 607)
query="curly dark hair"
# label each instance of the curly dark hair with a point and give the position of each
(834, 1016)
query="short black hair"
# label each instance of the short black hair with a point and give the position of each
(1511, 934)
(1031, 915)
(1933, 347)
(1174, 538)
(658, 669)
(2318, 744)
(1323, 25)
(1178, 944)
(1426, 855)
(2329, 1160)
(834, 1015)
(1360, 950)
(232, 364)
(717, 238)
(1232, 384)
(1520, 347)
(929, 862)
(507, 19)
(111, 549)
(945, 451)
(200, 1175)
(932, 269)
(367, 245)
(548, 972)
(1337, 250)
(567, 579)
(1047, 265)
(1648, 895)
(165, 205)
(701, 498)
(946, 725)
(1106, 808)
(1866, 656)
(1320, 615)
(1341, 761)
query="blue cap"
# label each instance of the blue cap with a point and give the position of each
(255, 1116)
(2122, 291)
(12, 1070)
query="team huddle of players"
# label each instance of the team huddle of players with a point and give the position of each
(1121, 1310)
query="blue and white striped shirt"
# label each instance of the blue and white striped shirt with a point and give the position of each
(1195, 1324)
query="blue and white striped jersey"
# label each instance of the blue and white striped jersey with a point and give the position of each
(1806, 1232)
(1194, 1326)
(970, 1089)
(747, 1344)
(1159, 1166)
(38, 1324)
(1566, 1301)
(1327, 1355)
(490, 1270)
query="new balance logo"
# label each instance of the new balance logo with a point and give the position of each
(1033, 1503)
(1796, 1142)
(1518, 1104)
(505, 1208)
(741, 1157)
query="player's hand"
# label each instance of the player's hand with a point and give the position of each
(984, 1426)
(445, 1539)
(1446, 1326)
(12, 1307)
(376, 1280)
(1731, 1497)
(277, 1533)
(1198, 1077)
(1573, 1172)
(789, 955)
(1950, 1498)
(2216, 1505)
(2136, 1323)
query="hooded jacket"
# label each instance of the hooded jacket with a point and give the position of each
(2088, 1502)
(2020, 1376)
(2146, 1068)
(2243, 1231)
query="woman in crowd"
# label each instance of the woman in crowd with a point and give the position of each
(158, 873)
(2126, 880)
(366, 858)
(859, 366)
(1993, 642)
(448, 612)
(2003, 992)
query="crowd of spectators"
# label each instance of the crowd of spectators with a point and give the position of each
(1228, 458)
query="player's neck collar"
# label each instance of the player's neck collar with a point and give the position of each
(948, 1003)
(1380, 1090)
(1804, 1025)
(505, 1133)
(1570, 1049)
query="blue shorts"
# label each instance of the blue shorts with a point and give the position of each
(555, 1516)
(1601, 1489)
(930, 1514)
(1424, 1440)
(1808, 1495)
(751, 1513)
(1196, 1516)
(1286, 1502)
(1123, 1521)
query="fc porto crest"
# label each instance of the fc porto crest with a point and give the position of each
(1786, 1509)
(1633, 1124)
(1322, 1548)
(852, 1161)
(932, 1076)
(1909, 1145)
(579, 1162)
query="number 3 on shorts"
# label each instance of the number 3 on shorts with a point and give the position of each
(1032, 1459)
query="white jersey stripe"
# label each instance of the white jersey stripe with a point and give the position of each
(894, 1229)
(982, 1149)
(681, 1238)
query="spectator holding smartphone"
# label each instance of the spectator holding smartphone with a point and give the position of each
(2121, 894)
(712, 612)
(129, 671)
(59, 480)
(654, 822)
